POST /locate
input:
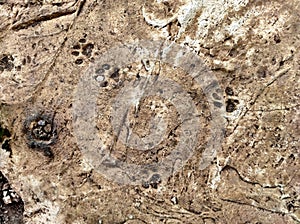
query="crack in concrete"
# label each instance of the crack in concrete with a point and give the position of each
(254, 206)
(42, 18)
(228, 167)
(277, 109)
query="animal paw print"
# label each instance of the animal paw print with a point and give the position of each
(82, 49)
(41, 132)
(102, 76)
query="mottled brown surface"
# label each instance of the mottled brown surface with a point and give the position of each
(252, 47)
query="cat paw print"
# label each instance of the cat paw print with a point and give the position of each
(81, 50)
(105, 75)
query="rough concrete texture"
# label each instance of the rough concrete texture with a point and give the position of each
(251, 47)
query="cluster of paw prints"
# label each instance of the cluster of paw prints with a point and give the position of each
(231, 103)
(110, 76)
(82, 49)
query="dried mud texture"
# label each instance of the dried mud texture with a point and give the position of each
(252, 47)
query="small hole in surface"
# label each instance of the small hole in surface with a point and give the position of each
(106, 66)
(99, 78)
(75, 53)
(218, 104)
(229, 91)
(76, 47)
(79, 61)
(230, 106)
(104, 84)
(99, 71)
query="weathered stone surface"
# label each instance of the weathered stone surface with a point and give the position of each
(251, 47)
